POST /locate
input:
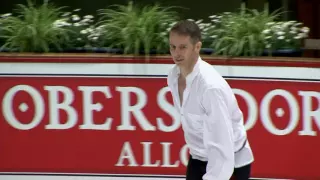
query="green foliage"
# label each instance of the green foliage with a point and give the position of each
(33, 30)
(240, 33)
(141, 29)
(83, 29)
(135, 28)
(284, 35)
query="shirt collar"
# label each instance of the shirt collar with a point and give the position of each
(190, 76)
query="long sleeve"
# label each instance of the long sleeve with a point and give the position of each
(218, 135)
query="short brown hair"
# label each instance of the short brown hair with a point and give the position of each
(188, 28)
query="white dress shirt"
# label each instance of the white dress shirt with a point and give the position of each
(211, 120)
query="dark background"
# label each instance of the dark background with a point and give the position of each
(305, 11)
(199, 9)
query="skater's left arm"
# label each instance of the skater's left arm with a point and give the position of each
(218, 135)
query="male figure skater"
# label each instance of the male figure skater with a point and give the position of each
(211, 119)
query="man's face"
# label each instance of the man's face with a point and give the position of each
(182, 50)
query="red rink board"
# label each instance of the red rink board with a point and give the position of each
(283, 148)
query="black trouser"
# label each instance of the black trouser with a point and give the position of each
(196, 169)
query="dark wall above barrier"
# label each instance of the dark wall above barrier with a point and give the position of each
(200, 9)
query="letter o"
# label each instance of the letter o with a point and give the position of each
(184, 155)
(265, 115)
(8, 110)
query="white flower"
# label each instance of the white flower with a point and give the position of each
(57, 25)
(297, 37)
(100, 27)
(163, 33)
(66, 14)
(199, 21)
(293, 32)
(95, 38)
(214, 36)
(172, 24)
(293, 28)
(286, 24)
(77, 24)
(88, 17)
(280, 33)
(270, 23)
(305, 29)
(215, 20)
(205, 29)
(268, 46)
(84, 24)
(75, 18)
(212, 16)
(81, 23)
(90, 30)
(61, 23)
(85, 20)
(190, 20)
(266, 31)
(268, 37)
(79, 39)
(76, 10)
(5, 15)
(281, 37)
(303, 35)
(201, 24)
(276, 27)
(83, 31)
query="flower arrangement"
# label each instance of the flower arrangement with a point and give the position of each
(284, 35)
(2, 27)
(240, 33)
(32, 28)
(84, 33)
(249, 32)
(135, 29)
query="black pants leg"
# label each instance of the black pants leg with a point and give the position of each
(242, 173)
(196, 169)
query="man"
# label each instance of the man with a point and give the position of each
(211, 119)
